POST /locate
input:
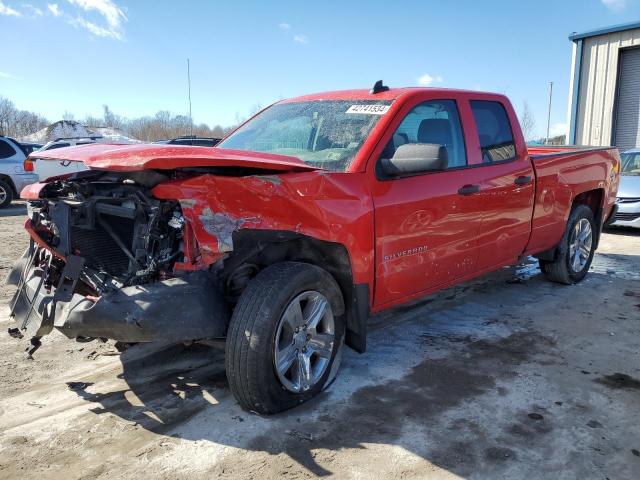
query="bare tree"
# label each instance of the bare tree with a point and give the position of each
(527, 121)
(255, 109)
(218, 131)
(25, 123)
(163, 125)
(111, 119)
(91, 121)
(7, 109)
(18, 123)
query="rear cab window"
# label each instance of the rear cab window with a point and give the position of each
(494, 131)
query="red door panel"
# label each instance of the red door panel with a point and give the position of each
(506, 218)
(507, 187)
(426, 232)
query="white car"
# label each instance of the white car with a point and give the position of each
(14, 172)
(49, 168)
(628, 201)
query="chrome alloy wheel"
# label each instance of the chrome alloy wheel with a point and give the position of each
(3, 194)
(580, 245)
(304, 341)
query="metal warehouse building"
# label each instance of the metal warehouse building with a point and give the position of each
(604, 95)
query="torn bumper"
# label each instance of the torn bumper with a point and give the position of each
(178, 309)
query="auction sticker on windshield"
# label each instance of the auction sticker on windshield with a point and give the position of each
(369, 109)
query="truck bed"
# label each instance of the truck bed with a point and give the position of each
(546, 151)
(564, 173)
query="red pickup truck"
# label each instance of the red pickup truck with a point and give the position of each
(308, 217)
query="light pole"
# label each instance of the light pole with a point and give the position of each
(189, 86)
(546, 142)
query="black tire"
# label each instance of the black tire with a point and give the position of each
(561, 270)
(6, 193)
(250, 344)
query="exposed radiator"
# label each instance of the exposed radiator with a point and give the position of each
(100, 251)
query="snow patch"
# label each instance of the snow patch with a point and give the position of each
(71, 128)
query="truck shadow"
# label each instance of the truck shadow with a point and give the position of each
(195, 404)
(182, 392)
(165, 385)
(16, 209)
(626, 231)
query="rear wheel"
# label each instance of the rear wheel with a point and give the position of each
(285, 337)
(6, 194)
(575, 251)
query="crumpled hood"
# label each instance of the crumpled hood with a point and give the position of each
(127, 158)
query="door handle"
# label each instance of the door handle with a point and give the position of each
(522, 180)
(469, 189)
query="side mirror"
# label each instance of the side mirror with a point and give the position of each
(415, 158)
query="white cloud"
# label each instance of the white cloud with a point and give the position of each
(96, 30)
(35, 11)
(6, 75)
(297, 38)
(54, 9)
(426, 80)
(615, 5)
(7, 10)
(112, 14)
(558, 129)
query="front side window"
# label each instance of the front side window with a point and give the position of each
(6, 150)
(434, 122)
(323, 133)
(494, 131)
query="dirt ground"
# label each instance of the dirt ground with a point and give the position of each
(508, 376)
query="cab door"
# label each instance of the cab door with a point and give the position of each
(507, 185)
(426, 223)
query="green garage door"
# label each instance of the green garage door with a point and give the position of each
(627, 132)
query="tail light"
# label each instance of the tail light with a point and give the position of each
(28, 165)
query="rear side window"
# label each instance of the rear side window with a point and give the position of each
(6, 150)
(494, 131)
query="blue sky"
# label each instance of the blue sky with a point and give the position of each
(76, 55)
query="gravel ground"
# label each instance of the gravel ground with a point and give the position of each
(508, 376)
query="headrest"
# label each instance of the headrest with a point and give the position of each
(435, 130)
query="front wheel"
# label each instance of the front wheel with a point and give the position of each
(285, 337)
(575, 251)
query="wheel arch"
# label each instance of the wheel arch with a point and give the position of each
(7, 178)
(594, 199)
(256, 249)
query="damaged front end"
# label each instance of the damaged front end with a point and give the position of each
(102, 264)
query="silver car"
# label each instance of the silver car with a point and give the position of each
(628, 214)
(13, 176)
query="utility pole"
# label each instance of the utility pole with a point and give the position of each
(189, 87)
(549, 113)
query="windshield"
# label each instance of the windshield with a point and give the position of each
(323, 133)
(630, 163)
